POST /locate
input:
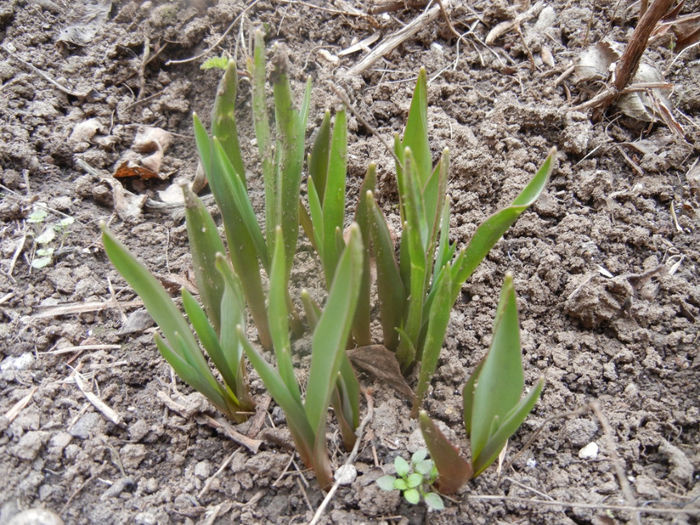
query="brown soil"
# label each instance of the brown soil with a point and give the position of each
(606, 265)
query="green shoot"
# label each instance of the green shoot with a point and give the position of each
(307, 418)
(493, 407)
(179, 347)
(417, 291)
(326, 216)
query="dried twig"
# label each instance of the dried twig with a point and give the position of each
(215, 44)
(576, 505)
(506, 26)
(46, 77)
(225, 464)
(617, 462)
(341, 94)
(351, 458)
(222, 426)
(629, 61)
(396, 5)
(81, 348)
(142, 68)
(11, 414)
(100, 405)
(350, 11)
(395, 39)
(79, 308)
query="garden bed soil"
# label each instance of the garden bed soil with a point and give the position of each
(605, 263)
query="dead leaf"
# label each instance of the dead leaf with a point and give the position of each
(380, 362)
(85, 130)
(682, 31)
(597, 60)
(646, 101)
(151, 139)
(173, 193)
(86, 20)
(129, 169)
(127, 205)
(153, 162)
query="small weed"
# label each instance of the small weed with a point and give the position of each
(52, 234)
(414, 480)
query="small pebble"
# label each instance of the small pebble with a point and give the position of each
(346, 474)
(202, 469)
(36, 517)
(590, 451)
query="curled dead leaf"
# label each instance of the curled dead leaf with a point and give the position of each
(380, 362)
(151, 139)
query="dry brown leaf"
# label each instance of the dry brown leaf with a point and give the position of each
(85, 130)
(380, 362)
(127, 205)
(151, 139)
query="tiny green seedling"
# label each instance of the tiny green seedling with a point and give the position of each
(215, 63)
(47, 239)
(414, 480)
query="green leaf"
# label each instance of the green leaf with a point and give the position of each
(223, 119)
(290, 135)
(48, 235)
(38, 214)
(205, 243)
(402, 466)
(468, 397)
(256, 67)
(235, 189)
(311, 309)
(294, 411)
(202, 382)
(453, 470)
(334, 195)
(438, 318)
(415, 135)
(419, 455)
(400, 484)
(412, 496)
(415, 232)
(390, 286)
(493, 228)
(424, 467)
(361, 324)
(233, 312)
(316, 213)
(277, 315)
(208, 337)
(414, 480)
(434, 193)
(433, 501)
(386, 482)
(242, 248)
(511, 423)
(331, 334)
(348, 411)
(156, 300)
(442, 223)
(320, 155)
(64, 223)
(42, 262)
(501, 378)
